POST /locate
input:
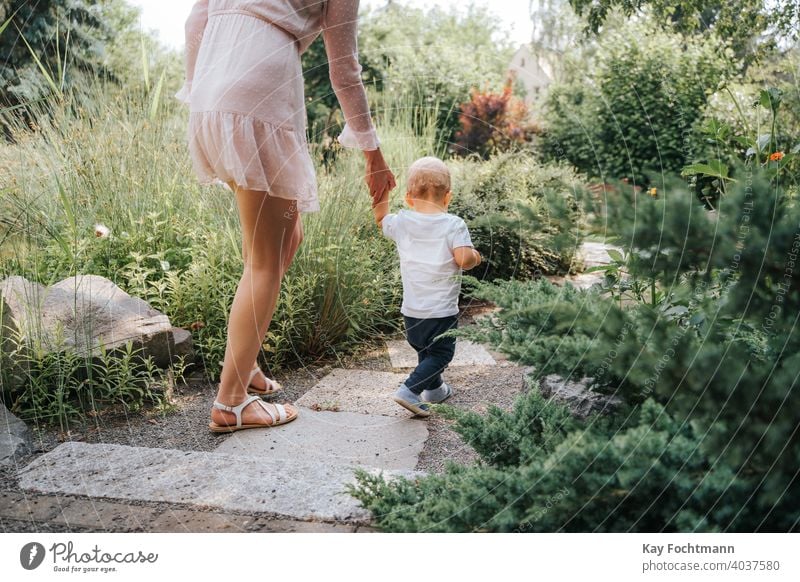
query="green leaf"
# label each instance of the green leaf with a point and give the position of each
(615, 255)
(714, 168)
(770, 99)
(157, 96)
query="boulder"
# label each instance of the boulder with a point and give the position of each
(12, 374)
(86, 312)
(15, 438)
(578, 396)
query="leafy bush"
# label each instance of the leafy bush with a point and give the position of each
(712, 441)
(522, 214)
(758, 135)
(629, 108)
(493, 122)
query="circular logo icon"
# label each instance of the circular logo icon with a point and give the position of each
(31, 555)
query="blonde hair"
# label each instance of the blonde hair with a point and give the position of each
(428, 177)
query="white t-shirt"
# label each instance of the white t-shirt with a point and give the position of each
(431, 277)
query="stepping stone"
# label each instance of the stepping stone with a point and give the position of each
(344, 438)
(595, 254)
(357, 391)
(299, 488)
(467, 353)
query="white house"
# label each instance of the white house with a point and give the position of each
(533, 72)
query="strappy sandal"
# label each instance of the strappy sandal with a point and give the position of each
(282, 417)
(273, 387)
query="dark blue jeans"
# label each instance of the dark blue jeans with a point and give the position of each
(433, 354)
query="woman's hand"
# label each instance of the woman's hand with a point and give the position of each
(379, 177)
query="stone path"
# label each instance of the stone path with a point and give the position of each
(593, 254)
(296, 476)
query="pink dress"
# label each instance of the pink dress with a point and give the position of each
(244, 87)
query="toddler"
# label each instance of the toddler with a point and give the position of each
(434, 247)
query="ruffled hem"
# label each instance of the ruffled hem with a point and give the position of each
(185, 92)
(359, 139)
(254, 154)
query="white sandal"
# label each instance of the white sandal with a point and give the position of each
(282, 417)
(273, 387)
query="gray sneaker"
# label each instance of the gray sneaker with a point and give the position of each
(437, 395)
(410, 401)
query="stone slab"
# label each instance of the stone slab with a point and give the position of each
(298, 488)
(595, 254)
(15, 438)
(360, 391)
(467, 353)
(346, 438)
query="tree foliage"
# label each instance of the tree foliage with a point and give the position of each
(424, 58)
(629, 108)
(744, 24)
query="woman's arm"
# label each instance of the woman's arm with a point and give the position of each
(194, 28)
(340, 34)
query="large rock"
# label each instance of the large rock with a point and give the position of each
(12, 374)
(86, 312)
(15, 438)
(578, 396)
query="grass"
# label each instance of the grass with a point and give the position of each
(117, 157)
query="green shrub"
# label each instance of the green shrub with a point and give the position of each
(628, 109)
(712, 441)
(648, 473)
(522, 215)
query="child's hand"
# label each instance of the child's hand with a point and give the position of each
(466, 257)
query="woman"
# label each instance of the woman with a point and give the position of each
(244, 86)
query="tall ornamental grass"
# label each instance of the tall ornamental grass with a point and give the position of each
(117, 157)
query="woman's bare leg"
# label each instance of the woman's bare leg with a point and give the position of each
(271, 234)
(287, 256)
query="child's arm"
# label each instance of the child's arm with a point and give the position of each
(466, 257)
(381, 209)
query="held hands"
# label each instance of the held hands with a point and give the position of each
(379, 177)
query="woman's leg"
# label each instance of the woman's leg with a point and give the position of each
(271, 234)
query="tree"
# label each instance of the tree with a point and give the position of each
(419, 59)
(630, 108)
(742, 23)
(63, 37)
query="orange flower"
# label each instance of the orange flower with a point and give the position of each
(776, 157)
(653, 192)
